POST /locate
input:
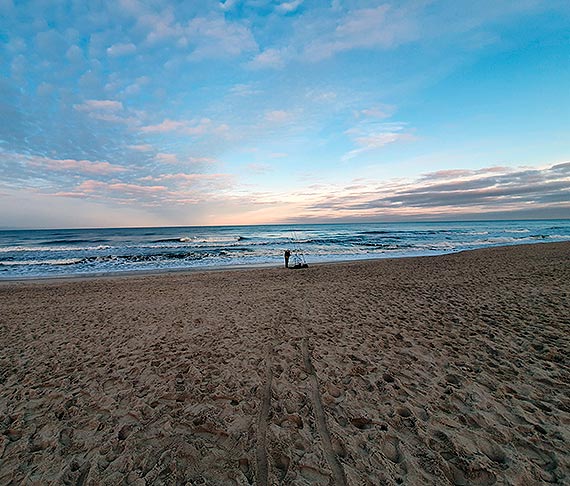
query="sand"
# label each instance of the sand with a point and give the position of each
(434, 370)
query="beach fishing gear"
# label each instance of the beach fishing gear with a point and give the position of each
(297, 255)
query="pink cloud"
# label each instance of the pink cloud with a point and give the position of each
(81, 166)
(141, 147)
(189, 178)
(166, 126)
(193, 177)
(464, 173)
(194, 128)
(166, 158)
(175, 159)
(92, 186)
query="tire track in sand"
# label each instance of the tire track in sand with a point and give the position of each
(263, 422)
(336, 467)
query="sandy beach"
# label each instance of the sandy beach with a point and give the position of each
(419, 371)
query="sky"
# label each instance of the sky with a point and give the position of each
(161, 113)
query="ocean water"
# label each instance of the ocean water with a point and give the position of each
(50, 253)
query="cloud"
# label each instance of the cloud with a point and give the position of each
(99, 105)
(374, 136)
(228, 4)
(18, 66)
(135, 88)
(244, 90)
(51, 44)
(77, 166)
(458, 173)
(278, 116)
(185, 178)
(380, 27)
(165, 127)
(74, 54)
(326, 32)
(166, 158)
(203, 126)
(119, 50)
(268, 59)
(143, 147)
(162, 26)
(455, 192)
(109, 111)
(210, 36)
(215, 37)
(383, 111)
(91, 187)
(288, 7)
(45, 89)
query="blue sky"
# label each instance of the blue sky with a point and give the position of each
(142, 113)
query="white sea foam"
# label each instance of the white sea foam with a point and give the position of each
(21, 248)
(63, 261)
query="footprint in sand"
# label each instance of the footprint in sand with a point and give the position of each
(313, 475)
(462, 473)
(179, 384)
(404, 412)
(494, 452)
(391, 449)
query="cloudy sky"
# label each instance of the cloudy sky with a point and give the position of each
(158, 112)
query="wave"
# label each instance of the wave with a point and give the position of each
(37, 249)
(170, 240)
(196, 239)
(196, 254)
(71, 242)
(64, 261)
(386, 246)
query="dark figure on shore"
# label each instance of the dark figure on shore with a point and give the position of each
(287, 255)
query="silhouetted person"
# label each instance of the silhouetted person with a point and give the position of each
(287, 255)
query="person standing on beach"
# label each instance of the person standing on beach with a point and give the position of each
(287, 255)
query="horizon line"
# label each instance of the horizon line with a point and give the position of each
(439, 221)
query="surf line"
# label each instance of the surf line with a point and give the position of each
(263, 422)
(336, 467)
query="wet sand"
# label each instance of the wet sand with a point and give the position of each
(433, 370)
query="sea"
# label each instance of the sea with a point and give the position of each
(71, 252)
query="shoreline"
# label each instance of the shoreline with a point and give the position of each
(445, 370)
(231, 268)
